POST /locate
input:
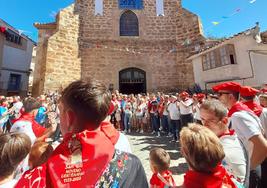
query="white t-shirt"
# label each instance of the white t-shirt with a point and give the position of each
(24, 127)
(246, 125)
(197, 113)
(141, 109)
(263, 118)
(174, 111)
(17, 106)
(9, 184)
(123, 144)
(165, 111)
(235, 160)
(186, 107)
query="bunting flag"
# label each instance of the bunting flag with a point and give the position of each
(2, 29)
(236, 11)
(160, 7)
(99, 7)
(252, 1)
(215, 23)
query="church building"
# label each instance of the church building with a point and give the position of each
(134, 46)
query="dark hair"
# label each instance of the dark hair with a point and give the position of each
(160, 159)
(236, 95)
(89, 100)
(14, 147)
(2, 100)
(248, 98)
(30, 104)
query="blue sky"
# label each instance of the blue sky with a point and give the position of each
(233, 15)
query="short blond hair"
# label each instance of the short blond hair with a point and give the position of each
(201, 148)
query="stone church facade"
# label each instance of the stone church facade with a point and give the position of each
(130, 49)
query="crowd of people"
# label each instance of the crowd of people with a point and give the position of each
(78, 138)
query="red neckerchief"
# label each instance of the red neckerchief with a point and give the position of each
(217, 179)
(80, 166)
(167, 175)
(230, 133)
(238, 107)
(108, 129)
(257, 109)
(37, 129)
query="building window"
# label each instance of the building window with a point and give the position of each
(11, 36)
(14, 82)
(232, 59)
(225, 55)
(129, 24)
(130, 4)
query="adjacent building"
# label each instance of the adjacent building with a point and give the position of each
(241, 58)
(15, 60)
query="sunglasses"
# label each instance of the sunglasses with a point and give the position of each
(221, 93)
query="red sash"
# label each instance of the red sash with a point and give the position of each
(37, 129)
(238, 107)
(217, 179)
(230, 133)
(108, 129)
(166, 175)
(78, 161)
(257, 109)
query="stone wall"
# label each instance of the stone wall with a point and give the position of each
(101, 53)
(58, 61)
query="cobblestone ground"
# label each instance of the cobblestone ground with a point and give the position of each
(141, 145)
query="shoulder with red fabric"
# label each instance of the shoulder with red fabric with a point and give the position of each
(155, 181)
(35, 178)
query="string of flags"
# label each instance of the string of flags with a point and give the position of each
(129, 50)
(236, 11)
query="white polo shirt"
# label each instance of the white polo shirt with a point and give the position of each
(246, 125)
(263, 118)
(186, 107)
(174, 111)
(234, 160)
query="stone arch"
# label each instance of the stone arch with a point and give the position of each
(129, 24)
(132, 80)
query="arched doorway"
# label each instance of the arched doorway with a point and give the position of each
(132, 81)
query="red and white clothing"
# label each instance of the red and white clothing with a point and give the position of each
(119, 140)
(197, 112)
(260, 112)
(26, 124)
(86, 159)
(217, 179)
(162, 180)
(173, 110)
(246, 124)
(263, 118)
(235, 161)
(79, 156)
(186, 106)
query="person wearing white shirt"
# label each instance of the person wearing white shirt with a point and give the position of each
(214, 116)
(175, 117)
(246, 125)
(165, 114)
(186, 109)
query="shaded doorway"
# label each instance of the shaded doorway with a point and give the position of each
(132, 81)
